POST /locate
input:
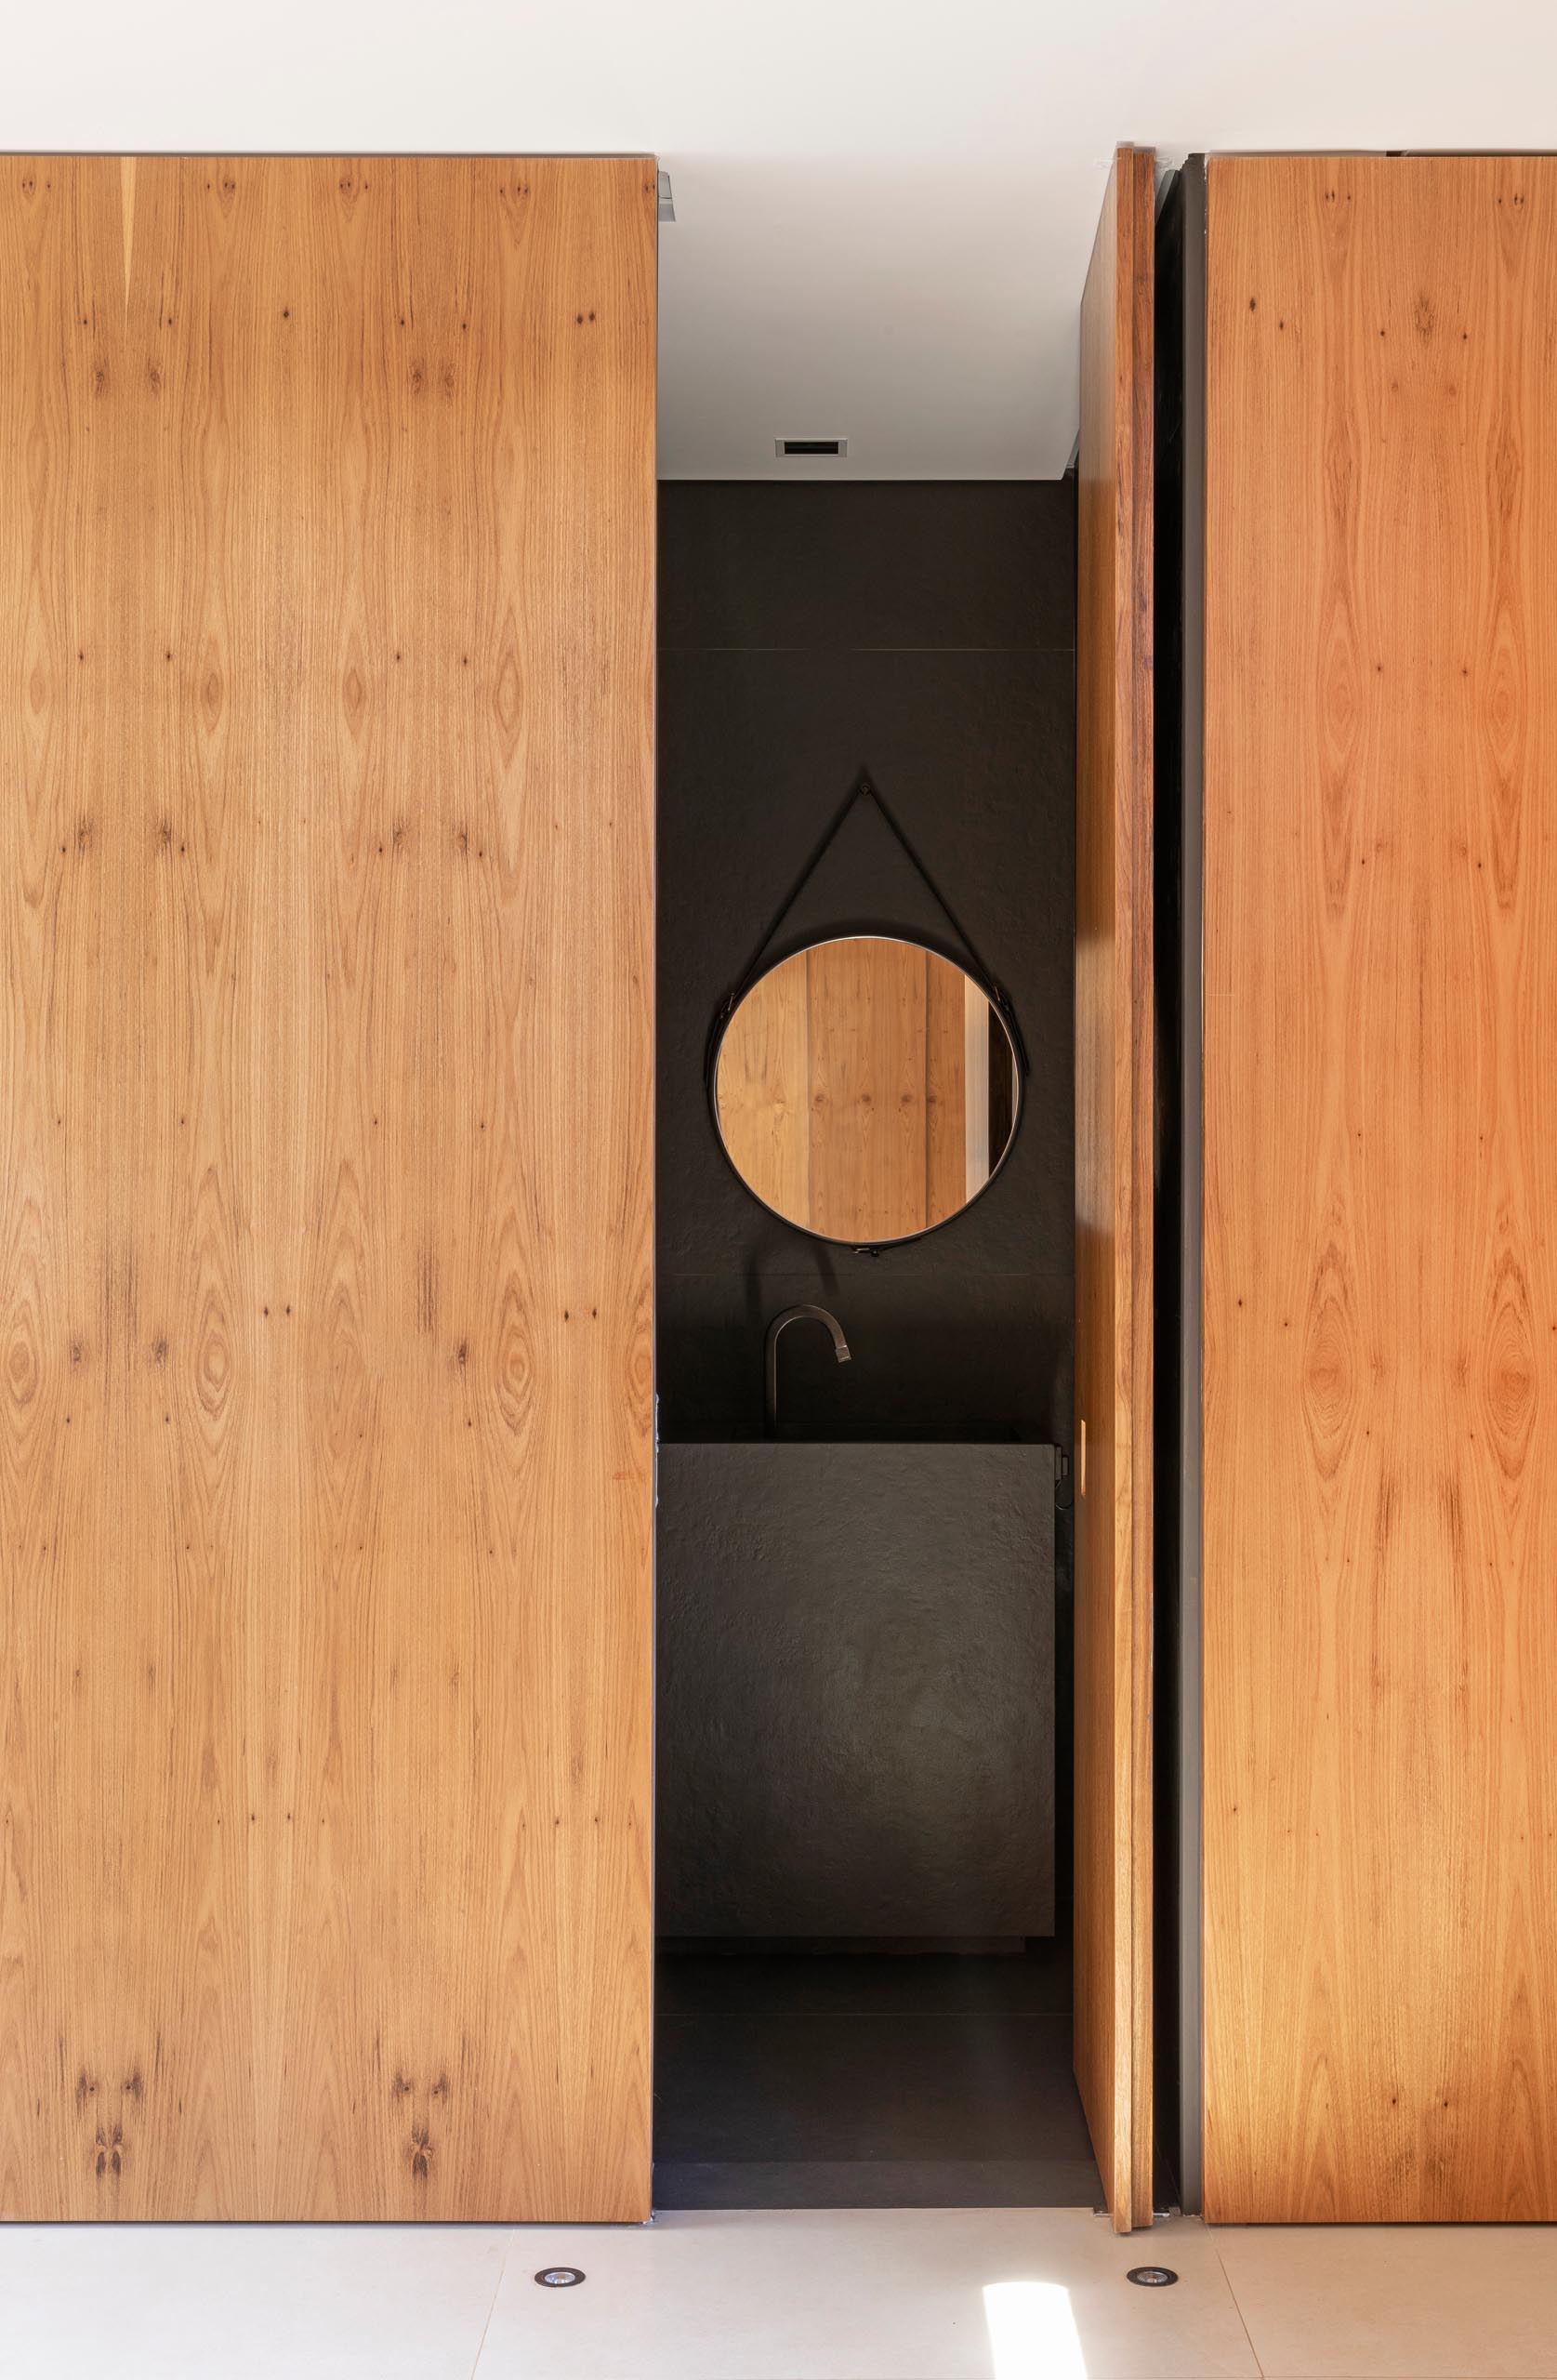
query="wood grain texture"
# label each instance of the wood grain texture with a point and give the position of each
(1380, 1282)
(325, 1116)
(1114, 1097)
(763, 1088)
(984, 1090)
(843, 1089)
(869, 1143)
(949, 995)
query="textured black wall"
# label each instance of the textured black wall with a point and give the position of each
(924, 632)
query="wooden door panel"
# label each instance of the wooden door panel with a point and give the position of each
(1114, 1096)
(326, 1098)
(1381, 1294)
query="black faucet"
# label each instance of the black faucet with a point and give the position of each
(781, 1322)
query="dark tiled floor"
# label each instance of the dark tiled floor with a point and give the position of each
(868, 2081)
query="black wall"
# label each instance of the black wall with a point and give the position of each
(925, 633)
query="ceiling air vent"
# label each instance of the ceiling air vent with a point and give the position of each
(810, 446)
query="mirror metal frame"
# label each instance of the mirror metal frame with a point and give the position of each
(1000, 1007)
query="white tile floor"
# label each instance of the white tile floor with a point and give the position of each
(915, 2295)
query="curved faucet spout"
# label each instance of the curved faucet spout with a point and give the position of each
(781, 1323)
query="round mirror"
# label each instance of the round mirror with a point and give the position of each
(866, 1088)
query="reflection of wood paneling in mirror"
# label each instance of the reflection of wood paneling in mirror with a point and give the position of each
(978, 1064)
(764, 1088)
(947, 1102)
(868, 1125)
(866, 1089)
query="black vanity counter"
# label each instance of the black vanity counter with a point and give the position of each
(856, 1690)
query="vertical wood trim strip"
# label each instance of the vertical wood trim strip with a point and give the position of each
(1136, 988)
(1115, 1116)
(1192, 583)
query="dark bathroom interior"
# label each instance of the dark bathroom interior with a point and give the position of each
(846, 2016)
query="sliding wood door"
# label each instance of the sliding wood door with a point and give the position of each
(1114, 1117)
(326, 1098)
(1380, 1205)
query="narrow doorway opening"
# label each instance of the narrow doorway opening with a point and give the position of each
(863, 1982)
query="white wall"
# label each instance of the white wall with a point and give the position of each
(884, 206)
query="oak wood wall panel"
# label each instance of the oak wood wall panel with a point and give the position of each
(326, 1098)
(1114, 1095)
(1381, 1273)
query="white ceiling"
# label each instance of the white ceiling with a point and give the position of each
(884, 207)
